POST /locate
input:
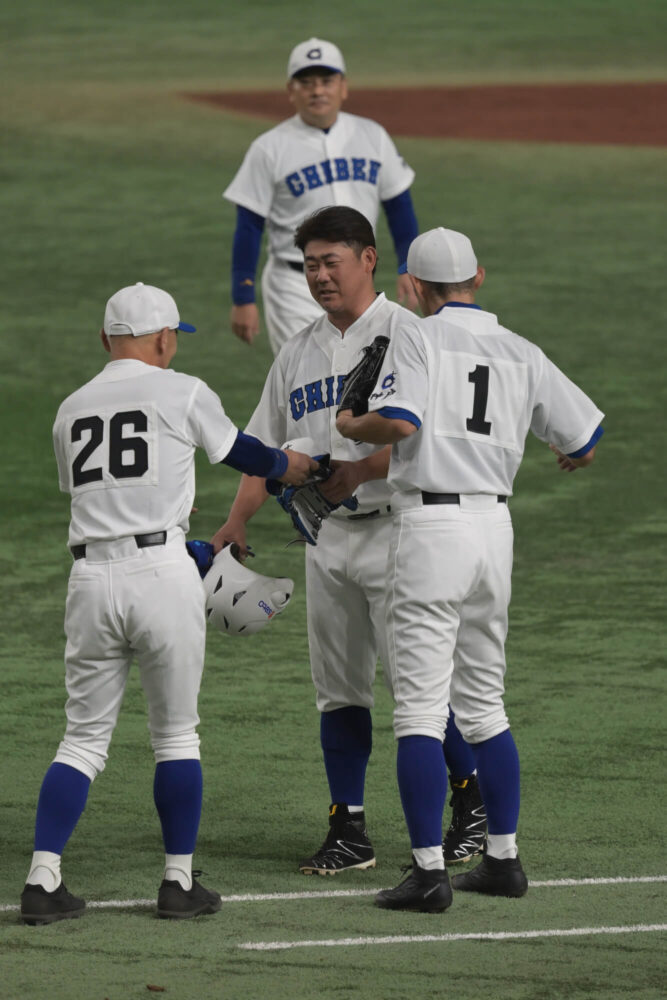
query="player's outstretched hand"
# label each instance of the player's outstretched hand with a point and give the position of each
(231, 531)
(299, 468)
(342, 482)
(245, 322)
(405, 292)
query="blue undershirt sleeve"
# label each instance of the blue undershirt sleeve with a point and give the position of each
(397, 413)
(403, 226)
(245, 254)
(587, 447)
(248, 454)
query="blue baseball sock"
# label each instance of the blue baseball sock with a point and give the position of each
(177, 791)
(497, 762)
(458, 754)
(346, 735)
(62, 799)
(422, 782)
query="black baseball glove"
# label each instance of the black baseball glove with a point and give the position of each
(360, 382)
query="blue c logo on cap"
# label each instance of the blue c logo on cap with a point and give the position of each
(314, 54)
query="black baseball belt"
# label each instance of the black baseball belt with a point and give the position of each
(143, 542)
(428, 498)
(371, 513)
(296, 265)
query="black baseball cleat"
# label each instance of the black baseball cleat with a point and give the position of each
(346, 845)
(424, 891)
(176, 903)
(494, 877)
(467, 832)
(41, 907)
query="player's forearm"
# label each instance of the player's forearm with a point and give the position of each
(373, 428)
(245, 255)
(402, 223)
(374, 466)
(250, 496)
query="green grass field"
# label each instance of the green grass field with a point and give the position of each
(109, 177)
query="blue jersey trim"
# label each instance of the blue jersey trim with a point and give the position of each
(587, 447)
(397, 413)
(457, 305)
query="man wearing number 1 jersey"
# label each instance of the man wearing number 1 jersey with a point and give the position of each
(125, 445)
(456, 396)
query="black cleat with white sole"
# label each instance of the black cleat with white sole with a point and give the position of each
(424, 891)
(346, 846)
(494, 877)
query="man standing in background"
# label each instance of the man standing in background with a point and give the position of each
(321, 156)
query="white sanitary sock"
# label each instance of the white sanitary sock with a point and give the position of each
(501, 846)
(178, 868)
(45, 870)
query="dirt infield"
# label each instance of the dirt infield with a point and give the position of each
(628, 114)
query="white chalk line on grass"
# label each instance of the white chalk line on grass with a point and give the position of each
(267, 897)
(446, 938)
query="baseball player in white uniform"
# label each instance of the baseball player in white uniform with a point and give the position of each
(346, 570)
(125, 445)
(321, 156)
(456, 397)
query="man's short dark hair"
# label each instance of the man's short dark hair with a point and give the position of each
(336, 224)
(445, 289)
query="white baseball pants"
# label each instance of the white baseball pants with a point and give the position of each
(288, 304)
(449, 574)
(125, 602)
(346, 579)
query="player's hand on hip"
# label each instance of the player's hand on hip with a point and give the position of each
(405, 293)
(342, 482)
(231, 531)
(245, 322)
(299, 468)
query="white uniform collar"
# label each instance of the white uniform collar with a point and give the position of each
(361, 321)
(115, 371)
(311, 129)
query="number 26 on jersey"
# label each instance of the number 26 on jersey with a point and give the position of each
(113, 448)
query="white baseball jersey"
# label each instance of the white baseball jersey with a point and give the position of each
(477, 388)
(125, 446)
(346, 570)
(294, 169)
(303, 388)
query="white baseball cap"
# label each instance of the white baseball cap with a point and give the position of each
(442, 255)
(315, 52)
(140, 309)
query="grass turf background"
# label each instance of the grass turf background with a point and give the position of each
(109, 176)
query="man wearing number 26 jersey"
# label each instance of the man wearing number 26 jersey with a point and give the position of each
(125, 445)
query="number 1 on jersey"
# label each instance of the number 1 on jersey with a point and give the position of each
(480, 379)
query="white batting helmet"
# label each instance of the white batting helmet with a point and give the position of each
(239, 601)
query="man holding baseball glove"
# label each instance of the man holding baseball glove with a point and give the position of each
(334, 362)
